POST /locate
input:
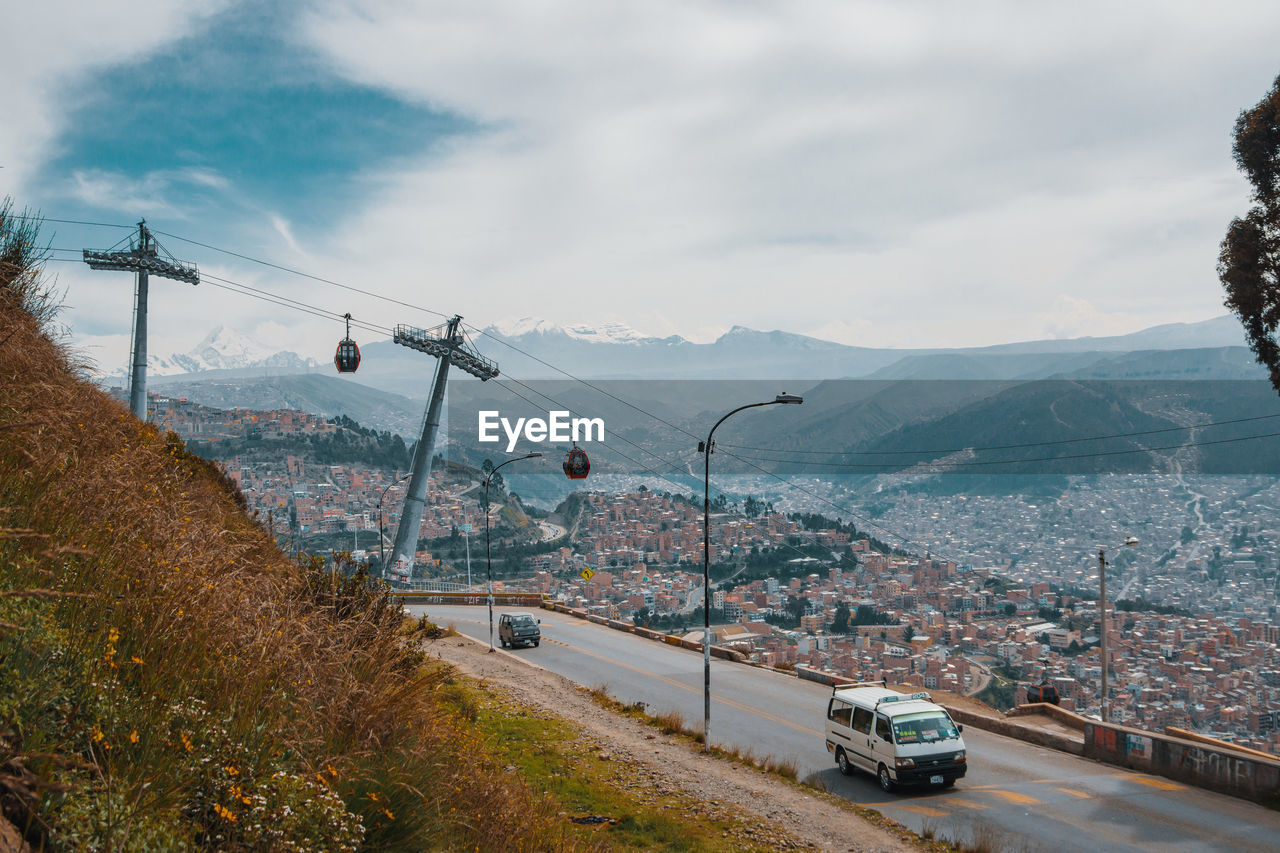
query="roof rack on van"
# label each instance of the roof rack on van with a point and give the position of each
(914, 697)
(849, 685)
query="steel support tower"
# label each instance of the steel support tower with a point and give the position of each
(447, 343)
(143, 256)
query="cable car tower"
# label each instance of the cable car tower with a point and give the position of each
(146, 257)
(448, 344)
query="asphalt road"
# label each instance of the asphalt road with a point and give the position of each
(1039, 798)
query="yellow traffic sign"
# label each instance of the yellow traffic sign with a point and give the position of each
(587, 574)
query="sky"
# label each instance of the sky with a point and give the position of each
(874, 173)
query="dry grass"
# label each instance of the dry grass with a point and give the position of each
(674, 723)
(171, 674)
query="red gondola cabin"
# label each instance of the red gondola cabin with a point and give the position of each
(1042, 693)
(347, 357)
(576, 464)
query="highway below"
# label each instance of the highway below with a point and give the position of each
(1040, 798)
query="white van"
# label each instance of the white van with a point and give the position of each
(903, 739)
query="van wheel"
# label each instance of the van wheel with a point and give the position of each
(886, 783)
(846, 769)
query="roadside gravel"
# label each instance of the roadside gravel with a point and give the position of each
(770, 811)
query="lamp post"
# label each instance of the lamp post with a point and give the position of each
(488, 556)
(706, 447)
(382, 549)
(1102, 582)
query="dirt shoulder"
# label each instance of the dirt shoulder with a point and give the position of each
(775, 813)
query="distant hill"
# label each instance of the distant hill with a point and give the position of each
(1220, 363)
(313, 392)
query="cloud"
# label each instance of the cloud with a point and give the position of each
(936, 172)
(49, 46)
(1074, 318)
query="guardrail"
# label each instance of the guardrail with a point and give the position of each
(617, 625)
(504, 599)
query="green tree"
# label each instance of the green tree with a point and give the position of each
(1249, 260)
(796, 606)
(840, 624)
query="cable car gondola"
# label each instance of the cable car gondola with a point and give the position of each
(1043, 692)
(347, 358)
(576, 464)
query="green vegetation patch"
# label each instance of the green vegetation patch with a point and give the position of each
(602, 800)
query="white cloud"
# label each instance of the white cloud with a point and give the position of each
(49, 45)
(1074, 318)
(936, 175)
(878, 173)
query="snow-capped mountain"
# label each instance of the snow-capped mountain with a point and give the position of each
(223, 349)
(608, 332)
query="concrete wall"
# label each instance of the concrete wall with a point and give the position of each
(1215, 768)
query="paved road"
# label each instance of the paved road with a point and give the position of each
(1048, 799)
(550, 532)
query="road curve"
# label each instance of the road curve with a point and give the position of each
(1040, 798)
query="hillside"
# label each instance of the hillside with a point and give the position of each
(173, 681)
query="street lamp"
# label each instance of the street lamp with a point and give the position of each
(707, 447)
(382, 550)
(1102, 581)
(488, 557)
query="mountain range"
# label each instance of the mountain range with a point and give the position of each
(858, 400)
(222, 349)
(536, 349)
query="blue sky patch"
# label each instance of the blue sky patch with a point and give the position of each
(237, 119)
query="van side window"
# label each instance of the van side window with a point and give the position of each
(841, 713)
(862, 720)
(882, 728)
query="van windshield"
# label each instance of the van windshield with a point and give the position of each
(522, 621)
(925, 727)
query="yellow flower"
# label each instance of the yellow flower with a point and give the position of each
(133, 736)
(97, 735)
(386, 811)
(224, 812)
(231, 770)
(136, 659)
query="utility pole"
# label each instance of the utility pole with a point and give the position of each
(447, 343)
(142, 257)
(1130, 541)
(1102, 583)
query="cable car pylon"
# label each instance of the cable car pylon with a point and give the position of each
(447, 343)
(143, 257)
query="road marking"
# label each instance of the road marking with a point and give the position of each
(1074, 793)
(972, 805)
(1014, 797)
(1151, 781)
(924, 810)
